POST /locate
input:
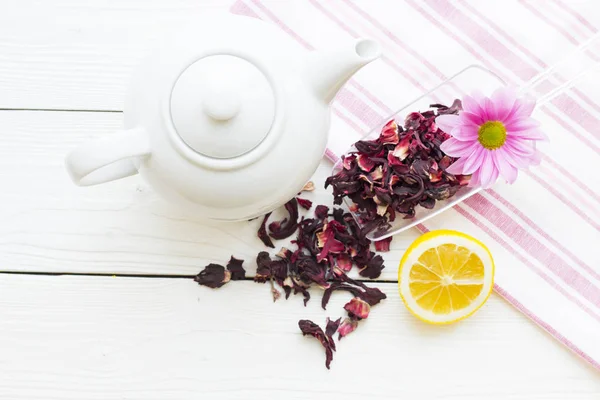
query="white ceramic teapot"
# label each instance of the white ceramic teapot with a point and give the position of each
(229, 118)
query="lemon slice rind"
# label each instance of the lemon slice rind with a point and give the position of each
(433, 240)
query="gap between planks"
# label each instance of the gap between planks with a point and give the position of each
(61, 110)
(150, 276)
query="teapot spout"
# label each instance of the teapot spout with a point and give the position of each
(329, 70)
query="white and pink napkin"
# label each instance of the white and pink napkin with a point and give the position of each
(544, 230)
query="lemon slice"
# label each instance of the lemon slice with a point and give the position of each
(445, 276)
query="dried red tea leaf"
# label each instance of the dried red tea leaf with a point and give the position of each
(389, 133)
(284, 253)
(338, 286)
(398, 171)
(365, 163)
(263, 267)
(287, 227)
(427, 202)
(310, 328)
(302, 289)
(357, 308)
(453, 109)
(401, 151)
(372, 267)
(321, 212)
(234, 266)
(331, 328)
(348, 161)
(383, 245)
(327, 242)
(213, 276)
(369, 147)
(372, 295)
(346, 327)
(343, 262)
(463, 179)
(262, 232)
(304, 203)
(311, 271)
(377, 174)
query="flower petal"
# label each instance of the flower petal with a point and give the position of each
(473, 162)
(488, 171)
(447, 122)
(489, 112)
(531, 134)
(473, 102)
(522, 108)
(458, 148)
(468, 118)
(514, 159)
(520, 147)
(465, 133)
(506, 169)
(504, 99)
(525, 107)
(536, 157)
(524, 124)
(475, 180)
(456, 168)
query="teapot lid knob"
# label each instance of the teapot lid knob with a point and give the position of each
(222, 106)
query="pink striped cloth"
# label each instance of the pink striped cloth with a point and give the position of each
(544, 229)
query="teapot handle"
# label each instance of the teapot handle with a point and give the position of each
(107, 159)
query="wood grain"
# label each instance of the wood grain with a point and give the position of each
(132, 338)
(49, 224)
(74, 337)
(81, 57)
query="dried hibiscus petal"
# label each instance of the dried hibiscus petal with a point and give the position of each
(344, 262)
(365, 163)
(234, 266)
(369, 148)
(321, 211)
(331, 327)
(263, 267)
(401, 150)
(372, 295)
(346, 327)
(383, 244)
(310, 328)
(373, 267)
(287, 227)
(357, 308)
(328, 243)
(304, 203)
(311, 271)
(213, 276)
(389, 133)
(262, 232)
(401, 170)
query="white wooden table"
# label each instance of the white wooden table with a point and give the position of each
(96, 300)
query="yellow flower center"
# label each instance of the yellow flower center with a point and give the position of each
(492, 135)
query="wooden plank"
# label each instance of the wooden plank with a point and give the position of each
(73, 54)
(49, 224)
(116, 338)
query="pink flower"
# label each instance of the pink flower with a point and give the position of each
(491, 137)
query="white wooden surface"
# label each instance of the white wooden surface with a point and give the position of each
(132, 338)
(95, 337)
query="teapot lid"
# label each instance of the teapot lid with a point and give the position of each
(222, 106)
